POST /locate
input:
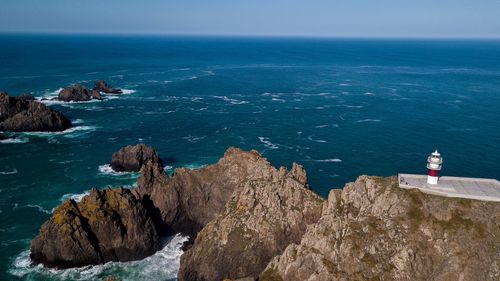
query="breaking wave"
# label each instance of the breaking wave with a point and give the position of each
(267, 143)
(163, 265)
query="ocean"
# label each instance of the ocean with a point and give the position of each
(340, 107)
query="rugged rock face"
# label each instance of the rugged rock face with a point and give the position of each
(190, 199)
(18, 114)
(102, 86)
(132, 157)
(107, 225)
(372, 230)
(262, 217)
(78, 93)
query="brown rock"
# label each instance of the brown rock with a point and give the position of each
(107, 225)
(102, 86)
(18, 114)
(190, 199)
(78, 93)
(131, 158)
(372, 230)
(263, 216)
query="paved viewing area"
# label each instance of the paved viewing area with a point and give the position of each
(471, 188)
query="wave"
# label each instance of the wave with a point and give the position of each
(367, 120)
(369, 94)
(316, 140)
(108, 171)
(194, 138)
(77, 197)
(128, 91)
(38, 207)
(14, 171)
(73, 132)
(163, 265)
(331, 160)
(230, 100)
(267, 143)
(14, 140)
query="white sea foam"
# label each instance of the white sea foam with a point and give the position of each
(14, 171)
(14, 140)
(367, 120)
(369, 94)
(267, 143)
(162, 265)
(128, 91)
(108, 171)
(39, 208)
(73, 132)
(331, 160)
(230, 100)
(194, 138)
(316, 140)
(75, 196)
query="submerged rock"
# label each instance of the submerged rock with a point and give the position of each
(102, 86)
(132, 157)
(23, 114)
(373, 230)
(263, 216)
(78, 93)
(107, 225)
(2, 137)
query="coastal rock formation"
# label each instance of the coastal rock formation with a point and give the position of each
(190, 199)
(102, 86)
(2, 137)
(372, 230)
(107, 225)
(22, 114)
(262, 217)
(132, 157)
(78, 93)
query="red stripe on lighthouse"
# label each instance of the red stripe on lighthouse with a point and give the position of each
(433, 173)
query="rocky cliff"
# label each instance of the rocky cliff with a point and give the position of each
(261, 218)
(372, 230)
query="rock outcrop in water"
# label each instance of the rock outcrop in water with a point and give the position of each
(78, 93)
(102, 86)
(107, 225)
(263, 216)
(372, 230)
(23, 114)
(132, 157)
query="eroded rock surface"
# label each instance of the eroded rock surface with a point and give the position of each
(102, 86)
(262, 217)
(132, 157)
(23, 114)
(78, 93)
(372, 230)
(107, 225)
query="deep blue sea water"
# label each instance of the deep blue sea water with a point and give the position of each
(341, 108)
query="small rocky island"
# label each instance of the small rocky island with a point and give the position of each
(132, 157)
(78, 93)
(248, 219)
(24, 114)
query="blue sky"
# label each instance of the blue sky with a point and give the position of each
(348, 18)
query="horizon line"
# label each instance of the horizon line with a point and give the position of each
(237, 35)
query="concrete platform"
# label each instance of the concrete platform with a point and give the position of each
(470, 188)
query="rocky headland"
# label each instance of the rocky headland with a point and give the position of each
(249, 220)
(24, 114)
(132, 157)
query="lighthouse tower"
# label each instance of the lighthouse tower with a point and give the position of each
(434, 164)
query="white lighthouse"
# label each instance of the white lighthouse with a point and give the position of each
(434, 164)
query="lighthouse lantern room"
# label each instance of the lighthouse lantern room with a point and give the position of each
(434, 164)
